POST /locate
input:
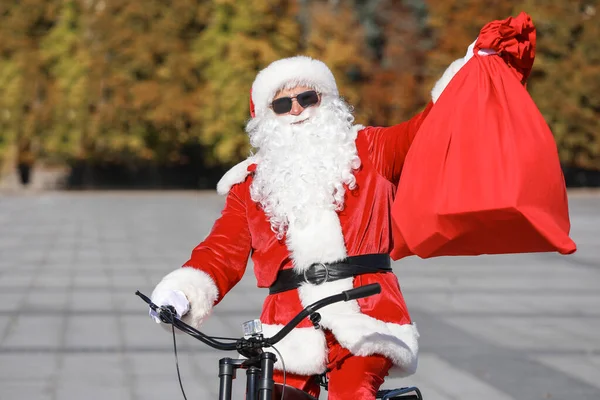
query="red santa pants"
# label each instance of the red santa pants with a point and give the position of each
(350, 377)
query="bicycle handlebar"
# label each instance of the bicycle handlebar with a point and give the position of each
(168, 315)
(362, 291)
(347, 295)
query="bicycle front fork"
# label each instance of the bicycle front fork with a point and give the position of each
(259, 380)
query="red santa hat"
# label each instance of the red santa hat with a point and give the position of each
(290, 72)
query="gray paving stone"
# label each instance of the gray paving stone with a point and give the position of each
(93, 278)
(452, 382)
(94, 368)
(34, 332)
(45, 300)
(168, 388)
(528, 333)
(584, 367)
(38, 389)
(139, 331)
(586, 330)
(128, 281)
(60, 259)
(92, 332)
(161, 365)
(92, 390)
(492, 327)
(9, 279)
(5, 321)
(126, 300)
(85, 300)
(25, 367)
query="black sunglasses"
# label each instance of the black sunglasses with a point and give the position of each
(283, 105)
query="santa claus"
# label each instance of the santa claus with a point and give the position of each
(316, 195)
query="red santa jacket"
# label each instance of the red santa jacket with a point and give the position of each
(376, 325)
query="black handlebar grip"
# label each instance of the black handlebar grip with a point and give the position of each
(362, 291)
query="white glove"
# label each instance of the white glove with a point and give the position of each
(482, 52)
(449, 73)
(175, 298)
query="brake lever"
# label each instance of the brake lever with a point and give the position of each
(166, 314)
(146, 299)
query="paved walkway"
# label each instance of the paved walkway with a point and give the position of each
(495, 328)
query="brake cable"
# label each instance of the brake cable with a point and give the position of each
(177, 361)
(283, 367)
(215, 337)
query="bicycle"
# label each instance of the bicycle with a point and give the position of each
(259, 364)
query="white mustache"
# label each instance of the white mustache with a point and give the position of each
(294, 119)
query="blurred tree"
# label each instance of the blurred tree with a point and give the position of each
(146, 87)
(242, 37)
(396, 91)
(567, 34)
(565, 81)
(24, 105)
(67, 58)
(454, 25)
(342, 46)
(10, 91)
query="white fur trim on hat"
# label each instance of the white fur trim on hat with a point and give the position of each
(296, 71)
(198, 287)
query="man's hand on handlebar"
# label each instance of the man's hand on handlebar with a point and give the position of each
(173, 298)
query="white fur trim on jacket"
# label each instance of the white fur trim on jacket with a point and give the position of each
(298, 71)
(304, 350)
(456, 65)
(361, 334)
(199, 288)
(235, 175)
(319, 240)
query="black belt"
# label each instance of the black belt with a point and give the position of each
(319, 273)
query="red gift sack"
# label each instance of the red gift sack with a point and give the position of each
(483, 175)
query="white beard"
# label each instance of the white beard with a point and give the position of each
(303, 167)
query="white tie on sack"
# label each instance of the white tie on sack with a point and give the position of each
(175, 298)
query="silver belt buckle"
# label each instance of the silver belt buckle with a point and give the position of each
(315, 265)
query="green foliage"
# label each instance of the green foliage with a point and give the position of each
(454, 25)
(340, 45)
(242, 37)
(566, 80)
(10, 85)
(24, 107)
(145, 86)
(68, 61)
(395, 90)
